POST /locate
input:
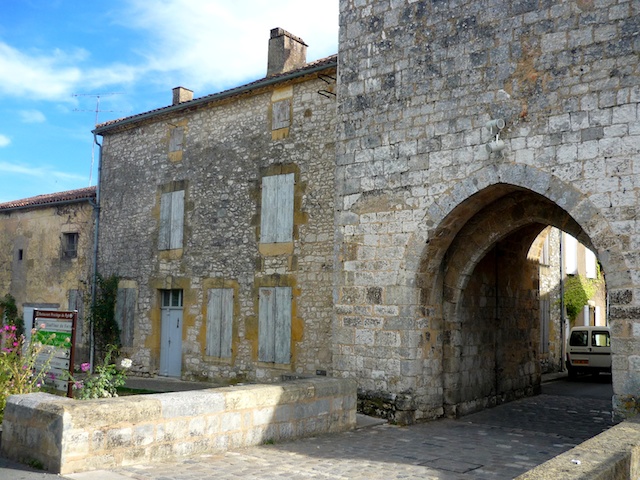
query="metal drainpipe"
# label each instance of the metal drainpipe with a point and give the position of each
(96, 212)
(562, 319)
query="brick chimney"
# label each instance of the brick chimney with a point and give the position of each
(286, 52)
(181, 94)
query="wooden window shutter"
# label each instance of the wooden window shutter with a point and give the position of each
(274, 329)
(76, 302)
(266, 323)
(283, 325)
(219, 322)
(176, 139)
(125, 313)
(171, 220)
(276, 221)
(281, 114)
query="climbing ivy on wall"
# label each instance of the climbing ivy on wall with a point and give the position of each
(578, 290)
(10, 313)
(103, 315)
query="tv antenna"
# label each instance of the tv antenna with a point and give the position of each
(97, 111)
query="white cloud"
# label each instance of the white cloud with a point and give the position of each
(39, 76)
(4, 140)
(201, 44)
(32, 116)
(39, 172)
(55, 76)
(218, 43)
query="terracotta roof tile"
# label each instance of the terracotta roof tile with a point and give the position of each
(70, 195)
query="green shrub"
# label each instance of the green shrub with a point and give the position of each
(104, 381)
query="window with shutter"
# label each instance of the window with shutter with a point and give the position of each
(219, 322)
(276, 219)
(281, 117)
(274, 325)
(570, 254)
(171, 220)
(176, 139)
(125, 311)
(70, 245)
(76, 302)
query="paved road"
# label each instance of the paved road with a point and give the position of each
(497, 443)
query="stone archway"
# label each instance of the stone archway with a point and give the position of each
(479, 288)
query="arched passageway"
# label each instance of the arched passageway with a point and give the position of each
(481, 286)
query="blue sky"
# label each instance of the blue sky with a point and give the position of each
(56, 56)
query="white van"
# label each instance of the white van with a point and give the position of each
(588, 350)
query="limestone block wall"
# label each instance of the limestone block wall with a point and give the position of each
(611, 455)
(226, 150)
(418, 81)
(67, 435)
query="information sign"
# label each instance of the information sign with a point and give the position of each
(56, 330)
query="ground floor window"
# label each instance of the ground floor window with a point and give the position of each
(274, 330)
(219, 322)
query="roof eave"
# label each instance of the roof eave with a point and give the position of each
(55, 203)
(216, 97)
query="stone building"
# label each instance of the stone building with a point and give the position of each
(217, 216)
(567, 271)
(384, 235)
(436, 209)
(46, 254)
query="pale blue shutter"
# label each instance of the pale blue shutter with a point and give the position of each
(125, 312)
(276, 221)
(164, 236)
(283, 325)
(284, 223)
(219, 322)
(266, 325)
(281, 114)
(171, 220)
(177, 218)
(176, 137)
(274, 325)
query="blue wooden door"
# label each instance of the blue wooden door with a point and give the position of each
(171, 339)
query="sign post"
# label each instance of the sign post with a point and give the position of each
(56, 330)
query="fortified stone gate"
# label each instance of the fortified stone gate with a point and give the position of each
(436, 302)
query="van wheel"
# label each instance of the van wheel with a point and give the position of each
(571, 372)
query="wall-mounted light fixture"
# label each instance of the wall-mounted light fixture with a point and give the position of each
(495, 145)
(494, 127)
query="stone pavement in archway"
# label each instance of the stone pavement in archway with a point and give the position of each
(498, 443)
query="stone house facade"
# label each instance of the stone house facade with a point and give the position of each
(217, 216)
(46, 255)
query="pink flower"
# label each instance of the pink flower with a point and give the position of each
(85, 367)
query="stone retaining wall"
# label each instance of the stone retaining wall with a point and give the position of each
(612, 455)
(67, 436)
